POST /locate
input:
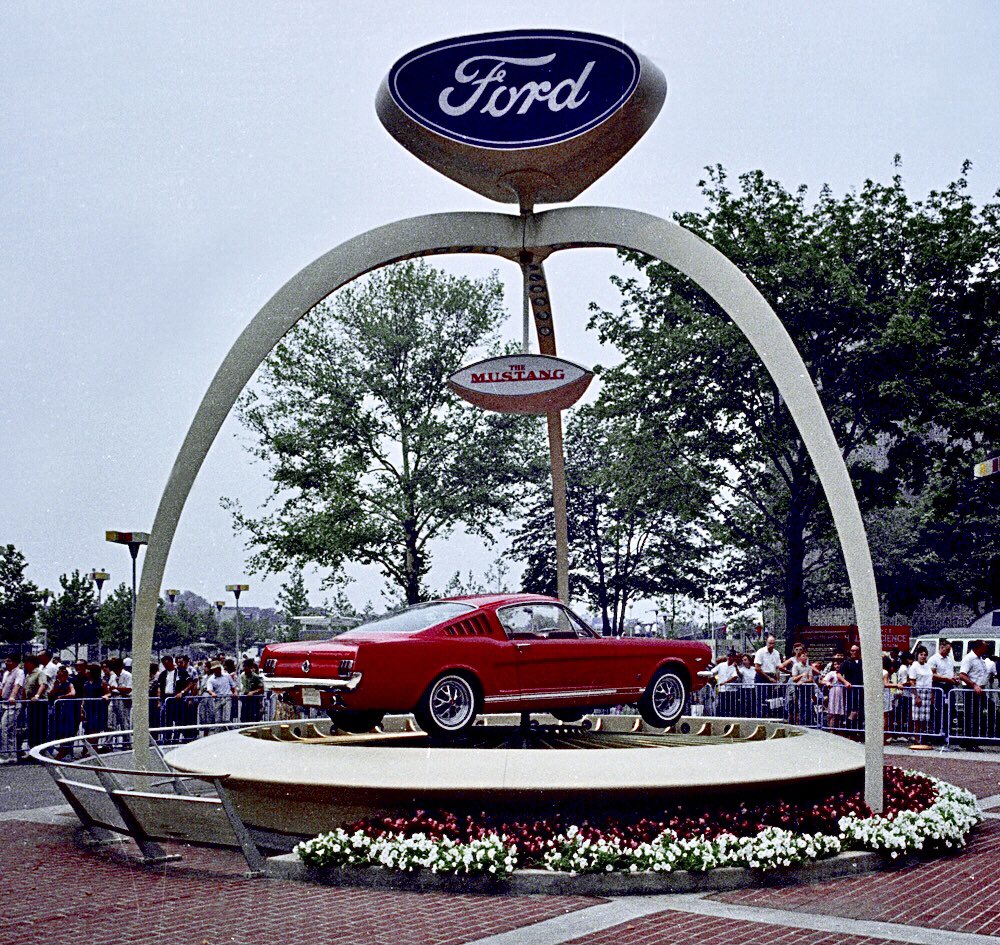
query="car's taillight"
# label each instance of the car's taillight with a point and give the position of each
(346, 668)
(270, 666)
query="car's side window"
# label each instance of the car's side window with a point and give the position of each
(540, 622)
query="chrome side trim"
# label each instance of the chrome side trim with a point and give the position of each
(291, 682)
(568, 694)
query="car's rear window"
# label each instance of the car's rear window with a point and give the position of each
(418, 617)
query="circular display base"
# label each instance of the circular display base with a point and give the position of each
(297, 779)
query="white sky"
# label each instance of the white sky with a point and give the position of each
(166, 167)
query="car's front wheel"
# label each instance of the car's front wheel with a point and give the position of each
(662, 703)
(448, 707)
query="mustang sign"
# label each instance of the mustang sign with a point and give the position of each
(522, 383)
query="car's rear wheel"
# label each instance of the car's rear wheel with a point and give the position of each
(569, 715)
(662, 703)
(448, 707)
(357, 723)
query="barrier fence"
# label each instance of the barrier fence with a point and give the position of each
(23, 725)
(936, 716)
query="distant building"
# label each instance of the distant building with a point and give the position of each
(324, 626)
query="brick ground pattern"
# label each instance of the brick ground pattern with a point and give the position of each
(682, 928)
(61, 895)
(56, 893)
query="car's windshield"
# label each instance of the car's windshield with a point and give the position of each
(418, 617)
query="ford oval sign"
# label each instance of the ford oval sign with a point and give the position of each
(522, 383)
(514, 90)
(528, 115)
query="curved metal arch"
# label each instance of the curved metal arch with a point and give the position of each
(504, 234)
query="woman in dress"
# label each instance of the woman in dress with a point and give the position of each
(836, 687)
(921, 682)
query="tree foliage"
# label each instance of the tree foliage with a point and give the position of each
(371, 456)
(893, 304)
(114, 619)
(623, 544)
(19, 598)
(71, 617)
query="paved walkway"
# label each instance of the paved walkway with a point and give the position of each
(57, 893)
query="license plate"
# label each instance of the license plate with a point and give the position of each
(311, 697)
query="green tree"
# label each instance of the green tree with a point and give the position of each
(293, 601)
(892, 304)
(19, 598)
(71, 618)
(371, 455)
(114, 619)
(623, 545)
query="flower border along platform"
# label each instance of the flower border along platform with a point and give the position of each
(577, 861)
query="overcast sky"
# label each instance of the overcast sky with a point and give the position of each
(166, 168)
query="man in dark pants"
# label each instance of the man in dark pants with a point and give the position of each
(171, 686)
(36, 686)
(851, 670)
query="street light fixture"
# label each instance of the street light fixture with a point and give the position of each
(219, 604)
(134, 540)
(99, 577)
(237, 589)
(46, 595)
(172, 593)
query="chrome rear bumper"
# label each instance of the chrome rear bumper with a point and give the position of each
(319, 682)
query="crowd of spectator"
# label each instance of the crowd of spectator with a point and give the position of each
(916, 687)
(43, 699)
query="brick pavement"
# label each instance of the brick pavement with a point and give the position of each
(104, 897)
(681, 928)
(61, 895)
(980, 777)
(955, 893)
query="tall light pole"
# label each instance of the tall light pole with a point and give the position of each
(46, 595)
(134, 540)
(237, 589)
(172, 593)
(99, 577)
(219, 604)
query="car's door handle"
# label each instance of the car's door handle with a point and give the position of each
(522, 646)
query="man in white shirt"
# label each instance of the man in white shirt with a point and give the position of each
(221, 689)
(974, 674)
(49, 666)
(766, 661)
(727, 681)
(11, 692)
(942, 665)
(119, 716)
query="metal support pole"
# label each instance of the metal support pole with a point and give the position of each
(536, 289)
(99, 836)
(559, 504)
(152, 852)
(250, 852)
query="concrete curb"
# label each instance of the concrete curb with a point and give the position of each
(534, 882)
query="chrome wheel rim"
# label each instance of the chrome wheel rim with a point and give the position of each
(668, 696)
(452, 702)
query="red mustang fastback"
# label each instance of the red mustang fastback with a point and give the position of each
(449, 660)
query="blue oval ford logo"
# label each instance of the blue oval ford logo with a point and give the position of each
(518, 89)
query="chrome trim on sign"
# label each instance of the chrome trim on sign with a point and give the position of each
(291, 682)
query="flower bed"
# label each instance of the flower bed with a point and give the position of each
(921, 813)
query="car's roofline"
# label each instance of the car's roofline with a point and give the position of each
(492, 601)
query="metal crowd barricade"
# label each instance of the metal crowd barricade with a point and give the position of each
(919, 713)
(113, 800)
(974, 717)
(28, 723)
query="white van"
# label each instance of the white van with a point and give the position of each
(960, 638)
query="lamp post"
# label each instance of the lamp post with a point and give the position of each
(219, 604)
(99, 577)
(46, 595)
(134, 540)
(172, 593)
(237, 589)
